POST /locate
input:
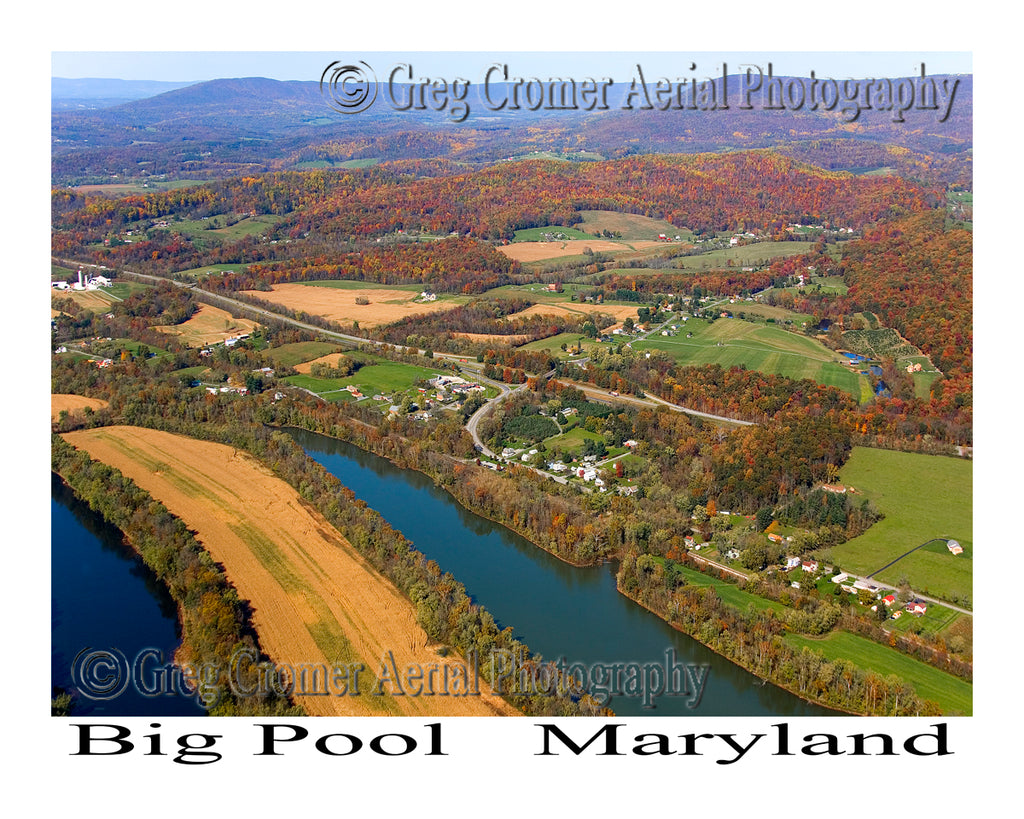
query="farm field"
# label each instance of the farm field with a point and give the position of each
(632, 226)
(731, 342)
(540, 251)
(214, 269)
(101, 298)
(215, 227)
(291, 355)
(617, 311)
(922, 497)
(315, 600)
(73, 404)
(386, 377)
(208, 325)
(385, 306)
(553, 344)
(952, 694)
(755, 255)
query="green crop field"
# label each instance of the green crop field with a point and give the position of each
(732, 342)
(922, 497)
(216, 227)
(952, 694)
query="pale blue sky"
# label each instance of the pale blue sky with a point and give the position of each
(207, 65)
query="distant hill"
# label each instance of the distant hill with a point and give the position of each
(95, 92)
(253, 124)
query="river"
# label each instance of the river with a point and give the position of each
(560, 611)
(104, 599)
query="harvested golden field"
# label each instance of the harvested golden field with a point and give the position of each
(89, 299)
(331, 359)
(74, 404)
(494, 338)
(208, 325)
(339, 304)
(315, 600)
(537, 251)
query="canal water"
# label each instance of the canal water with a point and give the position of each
(561, 612)
(107, 608)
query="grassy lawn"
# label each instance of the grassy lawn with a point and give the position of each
(571, 442)
(922, 497)
(953, 695)
(761, 347)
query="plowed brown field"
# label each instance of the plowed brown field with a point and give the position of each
(315, 600)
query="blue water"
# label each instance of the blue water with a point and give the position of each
(560, 611)
(104, 599)
(855, 358)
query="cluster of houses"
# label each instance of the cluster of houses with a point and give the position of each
(453, 384)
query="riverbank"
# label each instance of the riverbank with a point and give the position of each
(314, 599)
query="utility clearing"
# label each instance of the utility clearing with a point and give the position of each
(315, 600)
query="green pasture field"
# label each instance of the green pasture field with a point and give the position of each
(825, 284)
(553, 344)
(922, 497)
(216, 269)
(537, 234)
(732, 342)
(633, 227)
(728, 593)
(387, 377)
(754, 255)
(204, 228)
(952, 694)
(299, 352)
(571, 442)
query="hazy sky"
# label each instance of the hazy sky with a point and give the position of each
(620, 65)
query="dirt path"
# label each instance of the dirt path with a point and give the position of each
(315, 600)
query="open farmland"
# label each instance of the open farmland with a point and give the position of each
(922, 497)
(314, 599)
(632, 226)
(208, 325)
(340, 304)
(617, 311)
(539, 251)
(731, 342)
(73, 404)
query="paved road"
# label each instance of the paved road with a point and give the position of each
(651, 400)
